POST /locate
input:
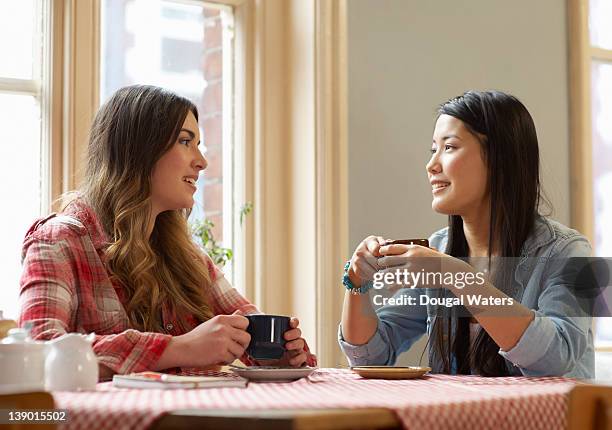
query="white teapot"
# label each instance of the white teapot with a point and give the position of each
(71, 363)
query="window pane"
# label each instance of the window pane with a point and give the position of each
(600, 17)
(185, 47)
(20, 175)
(601, 99)
(602, 154)
(604, 331)
(17, 25)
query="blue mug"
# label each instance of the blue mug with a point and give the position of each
(267, 336)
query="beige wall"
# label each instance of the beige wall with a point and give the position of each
(406, 57)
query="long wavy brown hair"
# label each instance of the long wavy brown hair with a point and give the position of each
(130, 133)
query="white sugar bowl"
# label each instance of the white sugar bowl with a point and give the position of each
(22, 363)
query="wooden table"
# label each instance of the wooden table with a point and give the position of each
(289, 419)
(330, 399)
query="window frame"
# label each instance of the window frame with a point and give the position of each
(40, 87)
(240, 189)
(294, 143)
(581, 55)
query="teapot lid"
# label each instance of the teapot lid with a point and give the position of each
(19, 334)
(19, 338)
(73, 339)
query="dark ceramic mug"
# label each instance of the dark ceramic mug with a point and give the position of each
(267, 336)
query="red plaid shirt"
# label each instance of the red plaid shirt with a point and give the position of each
(65, 287)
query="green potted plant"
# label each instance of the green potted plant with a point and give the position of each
(202, 231)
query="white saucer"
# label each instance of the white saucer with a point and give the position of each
(272, 373)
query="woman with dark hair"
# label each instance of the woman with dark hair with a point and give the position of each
(484, 172)
(119, 260)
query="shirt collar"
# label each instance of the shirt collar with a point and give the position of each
(80, 210)
(543, 234)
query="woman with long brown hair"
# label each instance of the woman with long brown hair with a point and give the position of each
(520, 313)
(119, 260)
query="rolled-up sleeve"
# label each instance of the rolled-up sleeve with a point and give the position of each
(550, 346)
(48, 297)
(376, 351)
(559, 335)
(398, 328)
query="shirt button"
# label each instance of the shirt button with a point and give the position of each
(169, 326)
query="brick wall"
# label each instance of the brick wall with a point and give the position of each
(211, 119)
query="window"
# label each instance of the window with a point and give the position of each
(24, 147)
(186, 47)
(591, 88)
(600, 35)
(600, 32)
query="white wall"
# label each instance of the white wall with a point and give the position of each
(408, 56)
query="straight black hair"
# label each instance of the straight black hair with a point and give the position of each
(509, 142)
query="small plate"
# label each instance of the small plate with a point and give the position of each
(390, 372)
(272, 373)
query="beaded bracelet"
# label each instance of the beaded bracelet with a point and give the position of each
(346, 281)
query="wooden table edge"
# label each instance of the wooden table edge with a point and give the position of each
(294, 419)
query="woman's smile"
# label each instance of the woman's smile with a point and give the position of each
(191, 181)
(439, 186)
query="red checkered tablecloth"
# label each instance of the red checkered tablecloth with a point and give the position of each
(436, 401)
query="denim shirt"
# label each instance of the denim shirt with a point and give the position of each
(559, 340)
